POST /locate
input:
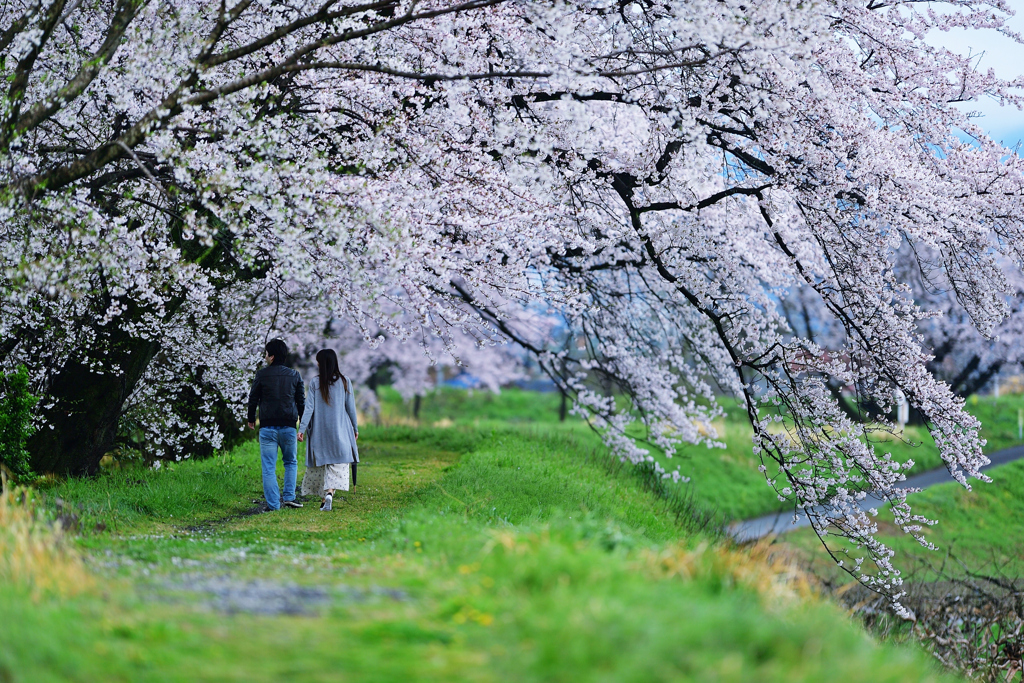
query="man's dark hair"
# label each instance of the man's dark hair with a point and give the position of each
(277, 348)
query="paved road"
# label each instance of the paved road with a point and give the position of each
(781, 522)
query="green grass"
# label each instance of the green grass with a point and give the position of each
(727, 479)
(983, 528)
(473, 407)
(488, 555)
(978, 531)
(998, 419)
(722, 479)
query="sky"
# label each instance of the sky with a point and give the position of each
(999, 53)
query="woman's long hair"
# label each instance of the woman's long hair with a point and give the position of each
(327, 361)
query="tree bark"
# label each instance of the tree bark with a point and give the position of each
(82, 407)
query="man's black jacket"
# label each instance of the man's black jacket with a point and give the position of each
(280, 395)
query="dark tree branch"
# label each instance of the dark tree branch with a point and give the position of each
(123, 16)
(19, 81)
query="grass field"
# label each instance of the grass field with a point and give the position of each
(490, 554)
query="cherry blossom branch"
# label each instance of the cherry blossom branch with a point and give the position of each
(123, 15)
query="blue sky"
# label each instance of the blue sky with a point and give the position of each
(1003, 55)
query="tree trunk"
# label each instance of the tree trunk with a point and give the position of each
(957, 384)
(844, 404)
(562, 408)
(978, 383)
(82, 408)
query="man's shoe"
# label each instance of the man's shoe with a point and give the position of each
(326, 506)
(292, 504)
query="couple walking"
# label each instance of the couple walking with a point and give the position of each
(328, 420)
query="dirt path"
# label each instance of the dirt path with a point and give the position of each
(287, 562)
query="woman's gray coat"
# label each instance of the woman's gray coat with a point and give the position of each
(330, 428)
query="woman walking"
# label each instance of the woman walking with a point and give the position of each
(330, 417)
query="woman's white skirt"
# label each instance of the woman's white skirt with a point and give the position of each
(318, 480)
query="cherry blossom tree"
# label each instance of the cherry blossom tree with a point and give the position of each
(413, 365)
(661, 174)
(963, 357)
(416, 367)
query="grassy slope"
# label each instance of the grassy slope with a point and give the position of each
(531, 559)
(723, 479)
(986, 524)
(983, 528)
(980, 531)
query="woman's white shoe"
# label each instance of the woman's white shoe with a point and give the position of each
(326, 506)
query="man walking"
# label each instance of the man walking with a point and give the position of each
(280, 396)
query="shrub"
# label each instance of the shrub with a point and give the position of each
(16, 403)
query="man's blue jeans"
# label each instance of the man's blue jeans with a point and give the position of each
(270, 439)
